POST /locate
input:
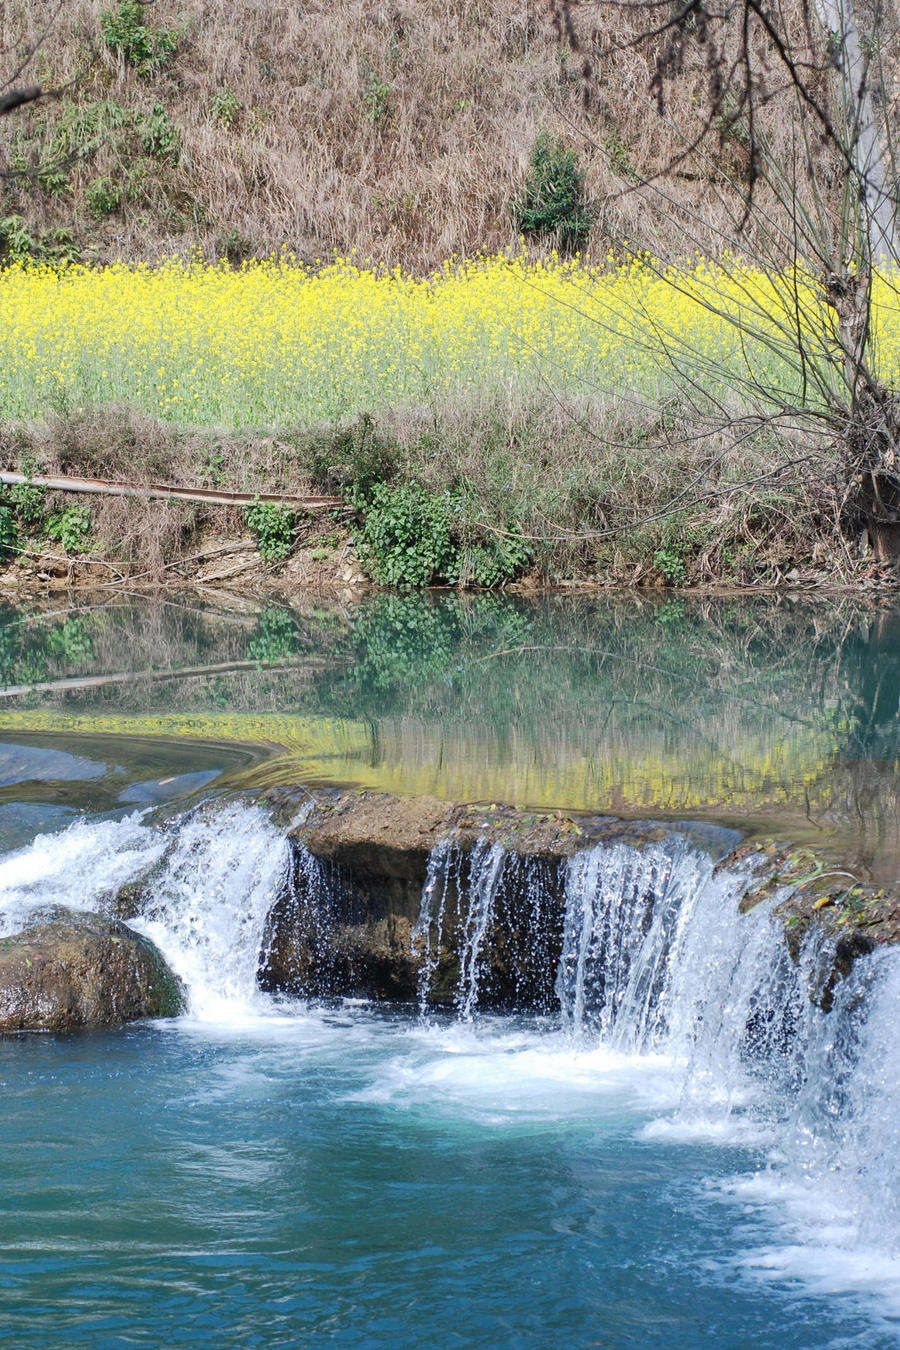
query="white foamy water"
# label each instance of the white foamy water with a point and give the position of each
(210, 900)
(686, 976)
(79, 868)
(210, 881)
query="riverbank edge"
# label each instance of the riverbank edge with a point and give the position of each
(486, 498)
(228, 563)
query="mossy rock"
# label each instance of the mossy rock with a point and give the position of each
(70, 970)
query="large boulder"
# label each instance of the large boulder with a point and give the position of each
(70, 970)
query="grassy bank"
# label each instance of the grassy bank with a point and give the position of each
(403, 131)
(495, 420)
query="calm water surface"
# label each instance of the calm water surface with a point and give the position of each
(780, 713)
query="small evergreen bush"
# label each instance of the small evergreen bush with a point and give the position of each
(124, 32)
(553, 200)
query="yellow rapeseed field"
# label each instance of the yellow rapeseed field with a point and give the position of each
(276, 342)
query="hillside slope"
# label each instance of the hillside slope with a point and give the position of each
(400, 130)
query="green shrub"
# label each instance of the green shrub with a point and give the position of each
(412, 535)
(139, 45)
(70, 528)
(406, 536)
(496, 560)
(273, 526)
(9, 533)
(553, 200)
(225, 107)
(16, 242)
(103, 197)
(28, 502)
(352, 461)
(159, 135)
(234, 247)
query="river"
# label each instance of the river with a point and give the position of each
(682, 1151)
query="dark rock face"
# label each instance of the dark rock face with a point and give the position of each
(349, 929)
(346, 921)
(73, 970)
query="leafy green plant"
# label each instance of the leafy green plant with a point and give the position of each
(416, 535)
(103, 197)
(9, 533)
(28, 502)
(670, 558)
(159, 135)
(553, 200)
(620, 157)
(70, 528)
(353, 460)
(225, 107)
(406, 536)
(377, 100)
(495, 560)
(59, 247)
(16, 242)
(125, 33)
(273, 526)
(234, 247)
(211, 470)
(52, 173)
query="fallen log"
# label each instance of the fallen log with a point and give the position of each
(172, 492)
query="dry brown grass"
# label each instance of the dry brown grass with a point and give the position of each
(401, 130)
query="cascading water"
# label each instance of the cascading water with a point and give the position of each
(210, 900)
(209, 880)
(624, 911)
(80, 868)
(486, 868)
(443, 867)
(656, 958)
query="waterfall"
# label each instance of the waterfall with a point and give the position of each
(82, 868)
(486, 869)
(209, 901)
(640, 949)
(208, 880)
(626, 909)
(443, 868)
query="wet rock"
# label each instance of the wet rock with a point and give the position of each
(71, 970)
(130, 900)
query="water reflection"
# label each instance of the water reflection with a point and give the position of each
(784, 711)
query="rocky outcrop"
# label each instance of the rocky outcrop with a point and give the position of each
(70, 970)
(346, 923)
